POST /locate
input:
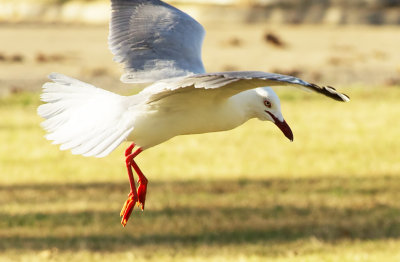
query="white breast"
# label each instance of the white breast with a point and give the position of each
(158, 122)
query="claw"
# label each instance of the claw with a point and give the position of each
(126, 204)
(124, 208)
(128, 208)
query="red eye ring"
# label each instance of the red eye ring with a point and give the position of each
(267, 103)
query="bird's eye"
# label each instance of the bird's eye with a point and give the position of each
(267, 103)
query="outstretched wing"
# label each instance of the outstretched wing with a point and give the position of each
(154, 40)
(226, 84)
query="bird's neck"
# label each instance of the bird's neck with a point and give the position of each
(243, 104)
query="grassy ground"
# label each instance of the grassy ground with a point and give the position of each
(243, 195)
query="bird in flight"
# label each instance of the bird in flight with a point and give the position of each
(160, 45)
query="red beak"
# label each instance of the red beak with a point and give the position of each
(283, 126)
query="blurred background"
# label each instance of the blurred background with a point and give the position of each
(242, 195)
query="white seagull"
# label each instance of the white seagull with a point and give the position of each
(160, 44)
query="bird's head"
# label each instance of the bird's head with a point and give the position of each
(269, 109)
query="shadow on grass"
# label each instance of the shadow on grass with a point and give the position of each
(277, 210)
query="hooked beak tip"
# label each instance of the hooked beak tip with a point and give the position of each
(283, 126)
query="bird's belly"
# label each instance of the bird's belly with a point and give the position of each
(157, 128)
(198, 122)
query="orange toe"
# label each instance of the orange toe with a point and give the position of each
(127, 209)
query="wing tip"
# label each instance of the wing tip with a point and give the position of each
(331, 92)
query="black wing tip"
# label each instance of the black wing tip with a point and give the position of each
(331, 92)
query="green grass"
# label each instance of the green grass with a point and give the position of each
(244, 195)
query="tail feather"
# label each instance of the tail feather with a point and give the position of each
(83, 118)
(105, 148)
(85, 139)
(85, 149)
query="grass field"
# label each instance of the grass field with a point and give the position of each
(243, 195)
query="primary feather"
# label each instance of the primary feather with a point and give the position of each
(227, 84)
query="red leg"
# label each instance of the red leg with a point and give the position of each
(134, 196)
(128, 151)
(142, 189)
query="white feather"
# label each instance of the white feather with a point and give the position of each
(81, 117)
